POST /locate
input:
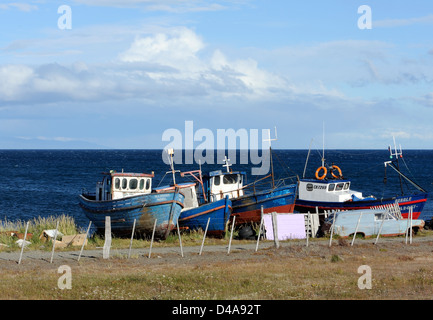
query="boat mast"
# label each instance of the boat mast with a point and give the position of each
(270, 154)
(306, 161)
(227, 165)
(323, 144)
(173, 172)
(199, 179)
(397, 155)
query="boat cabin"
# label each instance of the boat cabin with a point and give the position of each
(327, 190)
(220, 184)
(189, 190)
(118, 185)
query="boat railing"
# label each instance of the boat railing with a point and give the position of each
(258, 187)
(254, 187)
(393, 210)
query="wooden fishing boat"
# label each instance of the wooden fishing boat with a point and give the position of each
(329, 192)
(198, 210)
(247, 206)
(126, 197)
(250, 201)
(247, 200)
(335, 194)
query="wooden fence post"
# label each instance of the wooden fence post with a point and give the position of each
(180, 239)
(204, 236)
(84, 242)
(260, 229)
(24, 242)
(332, 228)
(107, 243)
(309, 227)
(356, 229)
(54, 241)
(381, 225)
(231, 234)
(275, 229)
(411, 224)
(153, 235)
(132, 238)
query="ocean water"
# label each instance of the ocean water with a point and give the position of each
(48, 182)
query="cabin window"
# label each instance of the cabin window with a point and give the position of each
(141, 184)
(230, 178)
(124, 183)
(339, 187)
(133, 184)
(346, 186)
(217, 180)
(331, 187)
(117, 183)
(147, 184)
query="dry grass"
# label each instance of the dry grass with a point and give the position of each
(293, 272)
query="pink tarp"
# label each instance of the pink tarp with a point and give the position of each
(289, 226)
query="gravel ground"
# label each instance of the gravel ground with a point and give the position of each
(210, 253)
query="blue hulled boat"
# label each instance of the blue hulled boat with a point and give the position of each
(198, 210)
(247, 206)
(128, 196)
(218, 214)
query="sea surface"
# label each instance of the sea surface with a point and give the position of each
(48, 182)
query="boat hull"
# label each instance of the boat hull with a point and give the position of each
(247, 209)
(416, 201)
(165, 208)
(197, 218)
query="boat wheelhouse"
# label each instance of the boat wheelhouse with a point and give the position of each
(220, 185)
(118, 185)
(329, 191)
(126, 197)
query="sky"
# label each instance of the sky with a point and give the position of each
(120, 73)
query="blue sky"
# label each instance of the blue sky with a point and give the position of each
(129, 70)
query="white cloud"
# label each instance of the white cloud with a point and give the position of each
(176, 6)
(390, 23)
(18, 5)
(177, 49)
(13, 81)
(184, 54)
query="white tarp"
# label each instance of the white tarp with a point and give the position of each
(21, 243)
(51, 233)
(289, 226)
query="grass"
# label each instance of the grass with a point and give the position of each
(67, 226)
(36, 226)
(291, 272)
(287, 273)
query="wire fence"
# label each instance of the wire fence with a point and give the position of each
(270, 228)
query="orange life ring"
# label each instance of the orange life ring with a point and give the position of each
(340, 174)
(323, 175)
